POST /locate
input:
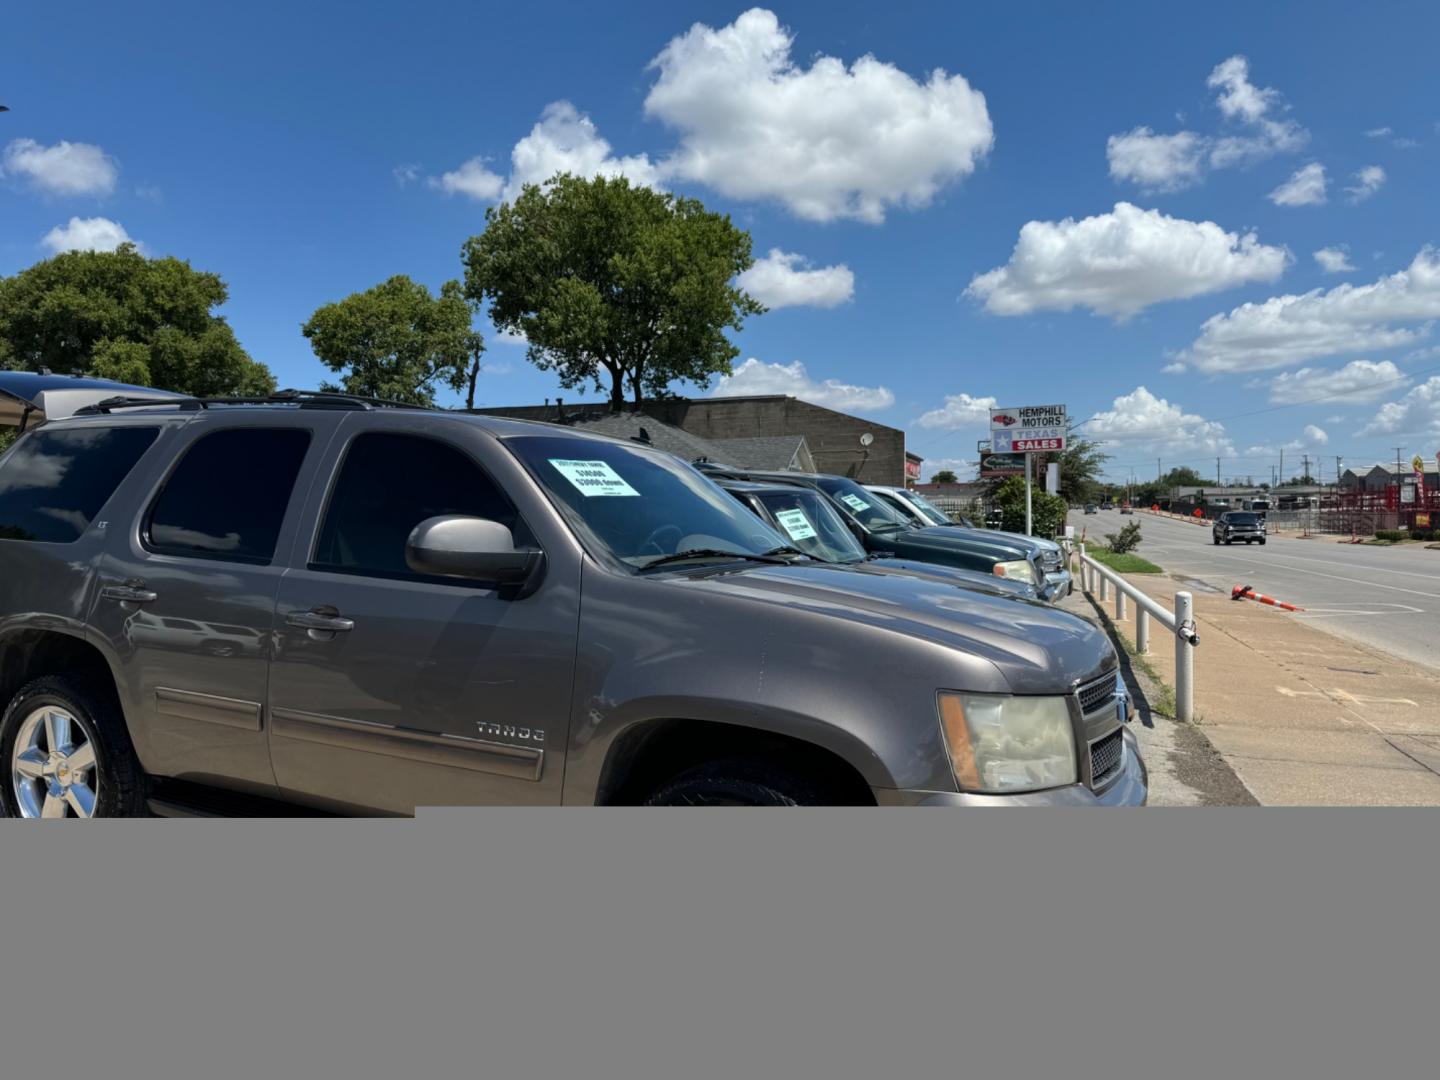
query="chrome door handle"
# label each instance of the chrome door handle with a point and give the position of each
(132, 592)
(320, 619)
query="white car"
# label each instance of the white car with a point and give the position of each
(923, 512)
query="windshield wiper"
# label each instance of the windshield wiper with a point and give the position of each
(717, 553)
(786, 549)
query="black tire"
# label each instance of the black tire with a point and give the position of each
(122, 786)
(740, 783)
(1215, 540)
(1262, 543)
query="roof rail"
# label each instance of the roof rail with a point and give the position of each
(305, 399)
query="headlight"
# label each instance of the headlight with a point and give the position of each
(1019, 570)
(1002, 744)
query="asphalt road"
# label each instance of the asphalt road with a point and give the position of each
(1384, 597)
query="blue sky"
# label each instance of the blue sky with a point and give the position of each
(1078, 205)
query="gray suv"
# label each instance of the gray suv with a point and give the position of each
(318, 603)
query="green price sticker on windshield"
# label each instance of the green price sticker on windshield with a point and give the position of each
(854, 501)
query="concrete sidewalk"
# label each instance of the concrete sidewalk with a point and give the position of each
(1184, 768)
(1303, 718)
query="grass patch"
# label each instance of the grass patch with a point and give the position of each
(1123, 564)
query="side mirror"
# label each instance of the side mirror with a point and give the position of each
(469, 547)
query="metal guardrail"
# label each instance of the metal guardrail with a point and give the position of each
(1180, 623)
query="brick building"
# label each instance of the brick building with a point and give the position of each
(811, 436)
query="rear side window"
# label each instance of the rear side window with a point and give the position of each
(55, 481)
(391, 483)
(227, 497)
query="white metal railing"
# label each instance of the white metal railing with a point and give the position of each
(1180, 622)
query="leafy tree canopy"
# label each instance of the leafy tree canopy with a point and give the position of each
(1047, 511)
(397, 341)
(120, 315)
(943, 476)
(610, 282)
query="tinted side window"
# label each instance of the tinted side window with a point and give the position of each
(55, 481)
(388, 484)
(227, 497)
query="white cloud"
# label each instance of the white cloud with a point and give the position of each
(63, 169)
(406, 174)
(754, 377)
(1367, 181)
(1170, 162)
(1176, 367)
(828, 141)
(562, 140)
(1156, 162)
(1417, 413)
(959, 411)
(783, 279)
(1144, 422)
(1379, 133)
(1346, 319)
(1357, 381)
(87, 234)
(1121, 262)
(1306, 187)
(472, 179)
(1315, 436)
(963, 469)
(1334, 260)
(566, 140)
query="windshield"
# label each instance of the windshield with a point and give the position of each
(929, 509)
(865, 507)
(1242, 519)
(639, 505)
(810, 523)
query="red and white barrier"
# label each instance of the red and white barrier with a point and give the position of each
(1246, 592)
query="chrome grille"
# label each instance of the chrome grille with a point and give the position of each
(1096, 695)
(1105, 757)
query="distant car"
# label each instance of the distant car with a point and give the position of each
(1126, 510)
(1090, 508)
(1238, 525)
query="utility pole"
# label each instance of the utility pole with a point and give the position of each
(1158, 475)
(1339, 466)
(1217, 473)
(1305, 462)
(1282, 468)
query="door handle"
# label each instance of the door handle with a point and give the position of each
(132, 592)
(326, 619)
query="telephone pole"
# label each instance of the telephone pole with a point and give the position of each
(1217, 473)
(1339, 466)
(1305, 462)
(1282, 468)
(1158, 475)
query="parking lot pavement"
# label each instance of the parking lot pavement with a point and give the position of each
(1304, 717)
(1184, 768)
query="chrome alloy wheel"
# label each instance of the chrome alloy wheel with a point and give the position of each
(53, 766)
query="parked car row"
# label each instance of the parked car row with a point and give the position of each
(321, 603)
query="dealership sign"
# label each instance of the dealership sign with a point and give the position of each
(1034, 428)
(992, 465)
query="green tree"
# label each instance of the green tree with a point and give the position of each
(397, 341)
(1126, 540)
(1047, 511)
(944, 476)
(611, 281)
(1182, 477)
(120, 315)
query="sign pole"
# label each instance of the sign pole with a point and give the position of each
(1029, 530)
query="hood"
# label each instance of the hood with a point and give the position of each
(1037, 648)
(28, 399)
(949, 575)
(945, 538)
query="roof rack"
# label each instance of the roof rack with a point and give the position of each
(305, 399)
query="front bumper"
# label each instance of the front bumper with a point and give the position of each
(1132, 788)
(1058, 585)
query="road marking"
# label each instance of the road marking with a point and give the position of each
(1343, 697)
(1330, 613)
